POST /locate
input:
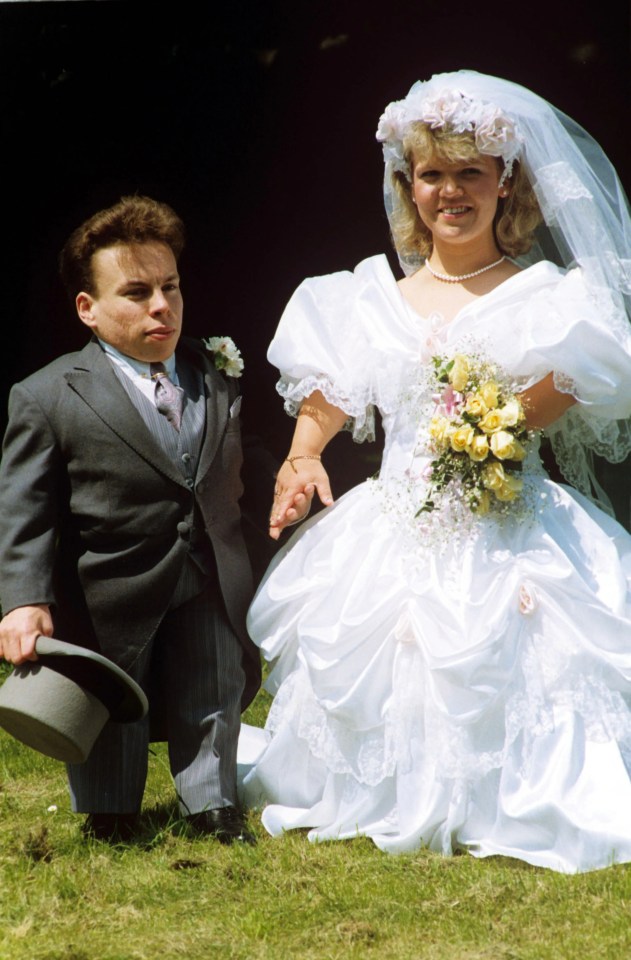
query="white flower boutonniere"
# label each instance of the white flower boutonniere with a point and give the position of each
(225, 355)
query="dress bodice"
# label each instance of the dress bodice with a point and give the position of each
(353, 337)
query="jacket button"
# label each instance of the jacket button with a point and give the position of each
(183, 528)
(190, 483)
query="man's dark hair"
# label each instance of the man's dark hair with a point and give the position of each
(131, 220)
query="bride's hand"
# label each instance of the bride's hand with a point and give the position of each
(296, 484)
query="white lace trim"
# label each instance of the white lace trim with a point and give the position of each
(549, 680)
(367, 755)
(361, 413)
(556, 184)
(577, 436)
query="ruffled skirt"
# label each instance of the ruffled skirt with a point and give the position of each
(474, 697)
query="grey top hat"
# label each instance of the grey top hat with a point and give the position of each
(59, 703)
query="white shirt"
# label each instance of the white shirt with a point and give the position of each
(138, 370)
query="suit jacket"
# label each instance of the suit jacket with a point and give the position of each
(95, 519)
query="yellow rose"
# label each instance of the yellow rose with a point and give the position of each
(461, 438)
(519, 452)
(459, 373)
(512, 413)
(479, 448)
(475, 406)
(491, 422)
(489, 392)
(505, 447)
(484, 503)
(509, 490)
(493, 476)
(438, 430)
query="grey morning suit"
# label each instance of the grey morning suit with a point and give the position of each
(132, 533)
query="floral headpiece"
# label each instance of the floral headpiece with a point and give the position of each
(495, 134)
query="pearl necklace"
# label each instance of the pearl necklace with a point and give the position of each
(448, 278)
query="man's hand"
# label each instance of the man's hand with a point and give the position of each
(20, 629)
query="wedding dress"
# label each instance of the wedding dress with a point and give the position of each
(452, 688)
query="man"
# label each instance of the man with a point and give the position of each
(120, 525)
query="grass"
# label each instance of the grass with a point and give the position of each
(170, 896)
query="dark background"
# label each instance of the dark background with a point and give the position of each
(256, 122)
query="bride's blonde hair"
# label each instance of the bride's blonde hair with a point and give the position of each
(517, 217)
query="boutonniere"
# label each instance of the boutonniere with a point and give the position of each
(225, 355)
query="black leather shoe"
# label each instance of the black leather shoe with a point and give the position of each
(110, 827)
(225, 824)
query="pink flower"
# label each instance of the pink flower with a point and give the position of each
(451, 401)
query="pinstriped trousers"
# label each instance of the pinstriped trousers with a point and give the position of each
(200, 659)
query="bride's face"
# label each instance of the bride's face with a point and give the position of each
(457, 202)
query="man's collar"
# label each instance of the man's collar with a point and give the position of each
(139, 367)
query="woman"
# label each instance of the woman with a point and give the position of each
(452, 656)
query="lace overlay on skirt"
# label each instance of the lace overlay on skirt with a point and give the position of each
(546, 683)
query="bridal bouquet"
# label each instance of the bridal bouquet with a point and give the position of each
(478, 435)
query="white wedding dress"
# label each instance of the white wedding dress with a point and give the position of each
(450, 688)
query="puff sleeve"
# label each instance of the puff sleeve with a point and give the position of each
(320, 345)
(582, 335)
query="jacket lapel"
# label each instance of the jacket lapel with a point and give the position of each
(94, 380)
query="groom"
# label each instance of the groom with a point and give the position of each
(120, 524)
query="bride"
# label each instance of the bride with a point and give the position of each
(451, 651)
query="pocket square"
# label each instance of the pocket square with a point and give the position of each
(235, 408)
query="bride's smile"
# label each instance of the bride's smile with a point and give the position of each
(457, 202)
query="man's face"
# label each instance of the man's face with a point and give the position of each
(137, 305)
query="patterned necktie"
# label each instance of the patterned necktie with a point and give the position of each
(169, 399)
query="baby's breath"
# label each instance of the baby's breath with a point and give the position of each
(466, 465)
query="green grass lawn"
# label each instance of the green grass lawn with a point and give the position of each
(170, 896)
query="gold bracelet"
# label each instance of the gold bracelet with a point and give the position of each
(302, 456)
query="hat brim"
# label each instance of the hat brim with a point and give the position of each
(123, 698)
(51, 713)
